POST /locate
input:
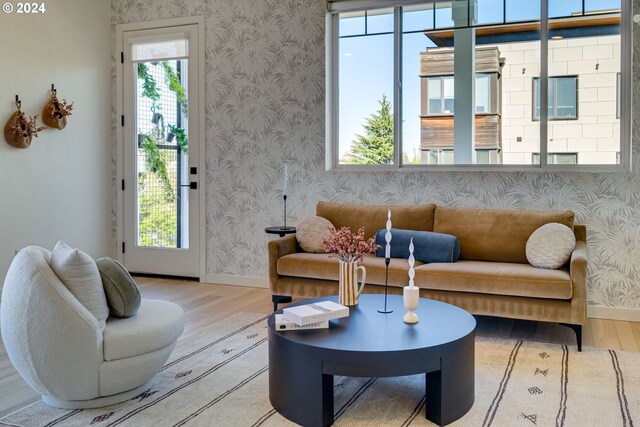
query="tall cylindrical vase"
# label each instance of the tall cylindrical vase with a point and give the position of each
(348, 290)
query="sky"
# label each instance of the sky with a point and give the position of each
(366, 62)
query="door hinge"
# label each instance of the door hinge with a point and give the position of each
(122, 120)
(123, 185)
(122, 57)
(123, 248)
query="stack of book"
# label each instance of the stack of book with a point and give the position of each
(310, 316)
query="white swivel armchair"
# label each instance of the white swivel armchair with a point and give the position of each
(60, 350)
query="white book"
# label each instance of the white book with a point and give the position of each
(284, 325)
(317, 312)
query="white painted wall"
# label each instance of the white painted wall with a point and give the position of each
(60, 187)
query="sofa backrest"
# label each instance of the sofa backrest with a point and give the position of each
(374, 217)
(494, 235)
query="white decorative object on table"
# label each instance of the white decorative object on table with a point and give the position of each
(387, 237)
(411, 293)
(387, 260)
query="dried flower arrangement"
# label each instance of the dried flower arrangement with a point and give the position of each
(55, 112)
(25, 127)
(348, 246)
(19, 130)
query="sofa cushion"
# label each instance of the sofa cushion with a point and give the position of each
(550, 246)
(157, 325)
(79, 273)
(120, 289)
(494, 235)
(311, 232)
(374, 217)
(428, 246)
(321, 266)
(496, 278)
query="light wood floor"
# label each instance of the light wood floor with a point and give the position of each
(205, 305)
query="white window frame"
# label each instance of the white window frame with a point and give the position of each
(332, 161)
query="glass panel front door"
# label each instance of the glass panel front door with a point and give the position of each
(162, 154)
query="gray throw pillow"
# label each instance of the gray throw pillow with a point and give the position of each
(122, 292)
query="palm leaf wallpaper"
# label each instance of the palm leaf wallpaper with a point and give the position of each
(265, 106)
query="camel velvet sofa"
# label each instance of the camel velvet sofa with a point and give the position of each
(492, 276)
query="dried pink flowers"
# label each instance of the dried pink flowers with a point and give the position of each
(25, 127)
(348, 246)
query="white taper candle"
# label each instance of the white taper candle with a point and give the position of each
(285, 187)
(387, 236)
(412, 261)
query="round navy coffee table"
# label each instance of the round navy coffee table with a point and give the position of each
(370, 344)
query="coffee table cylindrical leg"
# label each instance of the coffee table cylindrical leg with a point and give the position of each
(298, 389)
(451, 390)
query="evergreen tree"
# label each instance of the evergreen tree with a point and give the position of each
(375, 147)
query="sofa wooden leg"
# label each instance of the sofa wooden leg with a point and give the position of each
(279, 299)
(578, 330)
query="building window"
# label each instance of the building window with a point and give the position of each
(563, 98)
(557, 158)
(440, 94)
(483, 94)
(440, 90)
(445, 157)
(440, 157)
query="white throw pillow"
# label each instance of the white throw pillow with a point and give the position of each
(551, 246)
(310, 233)
(79, 273)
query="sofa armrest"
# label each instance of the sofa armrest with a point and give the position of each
(578, 271)
(277, 249)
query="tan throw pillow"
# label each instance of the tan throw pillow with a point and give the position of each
(79, 273)
(310, 233)
(551, 246)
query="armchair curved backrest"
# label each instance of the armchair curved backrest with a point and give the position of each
(53, 341)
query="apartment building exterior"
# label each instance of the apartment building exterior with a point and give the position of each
(583, 109)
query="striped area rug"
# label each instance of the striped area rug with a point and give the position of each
(219, 377)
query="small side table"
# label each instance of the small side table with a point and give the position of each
(280, 230)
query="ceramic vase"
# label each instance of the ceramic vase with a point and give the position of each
(349, 291)
(410, 297)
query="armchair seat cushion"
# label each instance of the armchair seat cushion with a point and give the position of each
(157, 324)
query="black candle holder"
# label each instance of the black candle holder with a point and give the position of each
(386, 282)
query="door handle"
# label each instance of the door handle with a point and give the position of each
(191, 185)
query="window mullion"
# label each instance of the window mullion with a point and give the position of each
(397, 86)
(544, 81)
(332, 90)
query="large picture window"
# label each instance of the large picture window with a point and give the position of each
(460, 86)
